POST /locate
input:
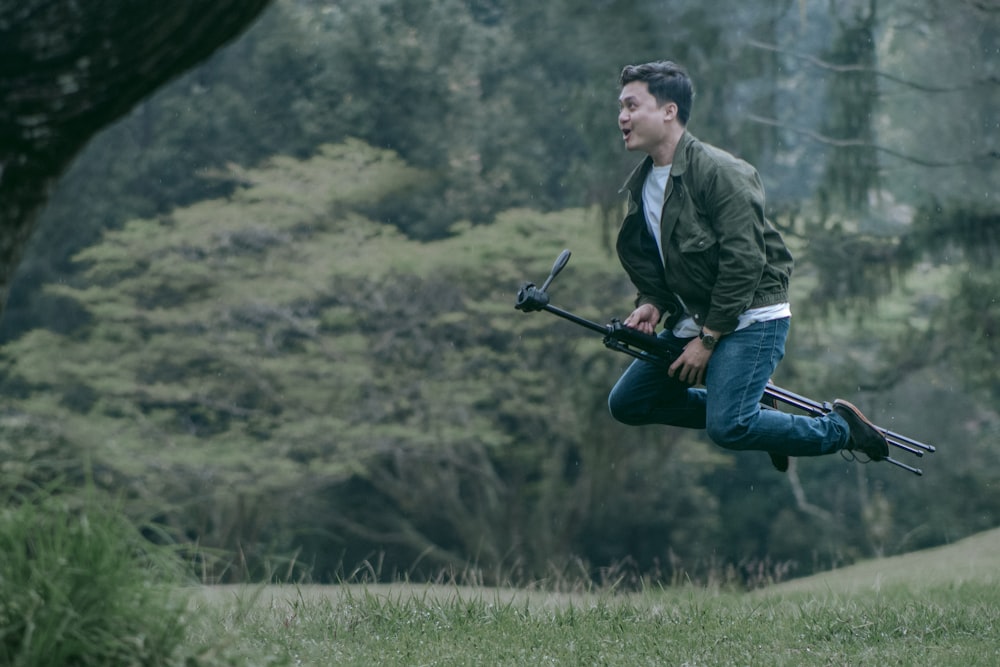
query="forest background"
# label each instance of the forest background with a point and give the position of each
(272, 308)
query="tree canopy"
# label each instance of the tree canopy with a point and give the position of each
(69, 69)
(281, 288)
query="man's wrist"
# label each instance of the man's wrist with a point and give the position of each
(709, 338)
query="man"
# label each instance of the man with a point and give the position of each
(697, 247)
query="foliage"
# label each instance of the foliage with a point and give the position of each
(242, 380)
(79, 585)
(822, 622)
(311, 359)
(955, 160)
(510, 104)
(276, 376)
(972, 234)
(504, 105)
(69, 71)
(256, 377)
(852, 169)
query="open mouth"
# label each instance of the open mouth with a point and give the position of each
(625, 133)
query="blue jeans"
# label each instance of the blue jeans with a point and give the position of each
(728, 407)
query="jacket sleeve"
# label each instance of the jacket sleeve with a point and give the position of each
(734, 199)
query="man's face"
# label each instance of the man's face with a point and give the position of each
(642, 121)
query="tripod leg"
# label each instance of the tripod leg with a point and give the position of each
(817, 408)
(915, 471)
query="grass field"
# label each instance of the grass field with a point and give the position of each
(938, 607)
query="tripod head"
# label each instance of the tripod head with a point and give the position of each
(531, 298)
(616, 336)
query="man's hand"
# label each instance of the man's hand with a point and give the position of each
(644, 318)
(690, 367)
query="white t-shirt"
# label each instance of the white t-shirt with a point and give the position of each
(652, 200)
(652, 203)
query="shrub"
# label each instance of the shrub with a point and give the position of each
(79, 585)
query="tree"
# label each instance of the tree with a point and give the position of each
(68, 69)
(273, 370)
(852, 169)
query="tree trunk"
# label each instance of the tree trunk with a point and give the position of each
(69, 69)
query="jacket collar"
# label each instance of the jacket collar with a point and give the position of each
(679, 165)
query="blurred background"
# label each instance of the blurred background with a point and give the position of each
(272, 308)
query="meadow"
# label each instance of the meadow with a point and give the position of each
(936, 607)
(79, 585)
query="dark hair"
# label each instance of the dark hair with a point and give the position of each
(667, 81)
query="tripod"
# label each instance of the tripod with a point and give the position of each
(651, 349)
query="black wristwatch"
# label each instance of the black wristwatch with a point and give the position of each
(708, 340)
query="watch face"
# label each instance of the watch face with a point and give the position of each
(708, 341)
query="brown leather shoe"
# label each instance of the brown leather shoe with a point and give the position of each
(865, 436)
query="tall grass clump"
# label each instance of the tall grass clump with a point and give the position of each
(80, 585)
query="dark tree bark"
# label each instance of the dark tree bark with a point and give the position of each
(70, 68)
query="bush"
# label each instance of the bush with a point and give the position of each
(79, 585)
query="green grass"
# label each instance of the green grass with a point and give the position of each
(939, 607)
(80, 586)
(974, 560)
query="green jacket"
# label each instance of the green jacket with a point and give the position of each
(721, 256)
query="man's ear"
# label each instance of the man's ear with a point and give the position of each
(669, 111)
